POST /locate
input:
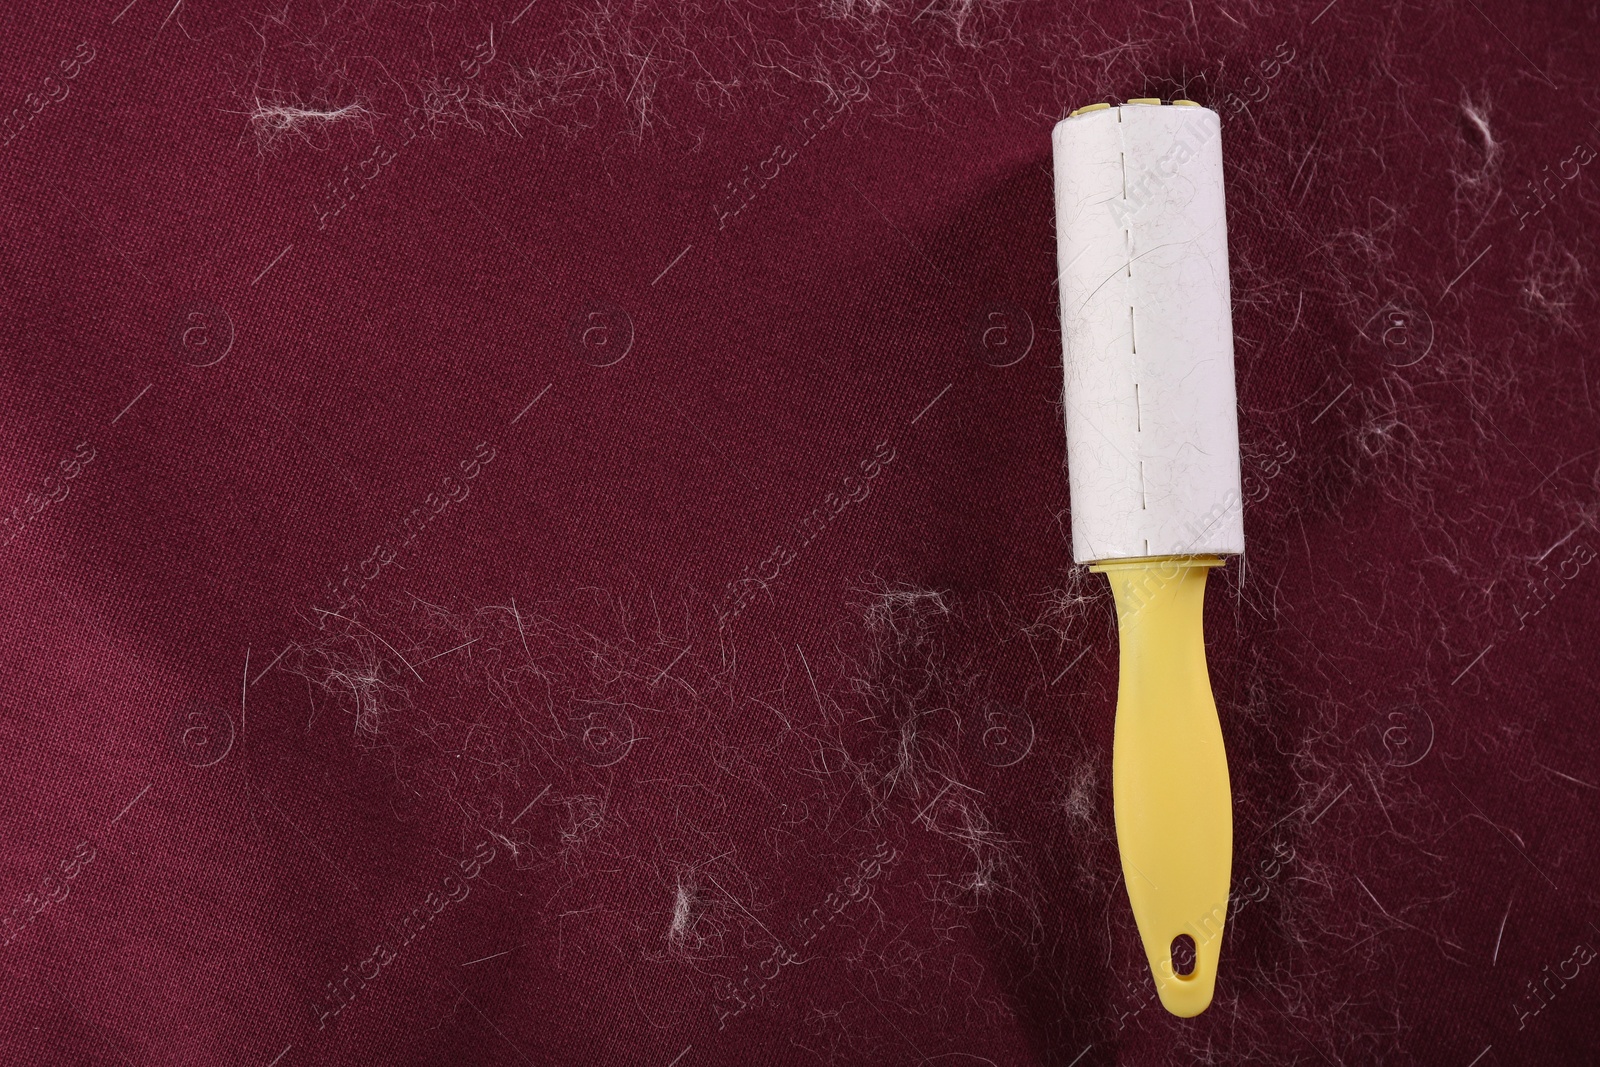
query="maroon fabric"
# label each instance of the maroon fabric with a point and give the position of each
(541, 536)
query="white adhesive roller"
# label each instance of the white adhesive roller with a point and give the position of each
(1153, 458)
(1152, 425)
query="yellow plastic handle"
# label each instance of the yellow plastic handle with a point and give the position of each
(1169, 774)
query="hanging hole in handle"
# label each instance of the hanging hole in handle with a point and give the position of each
(1183, 956)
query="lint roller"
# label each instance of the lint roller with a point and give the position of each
(1153, 465)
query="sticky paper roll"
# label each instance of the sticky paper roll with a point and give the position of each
(1152, 421)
